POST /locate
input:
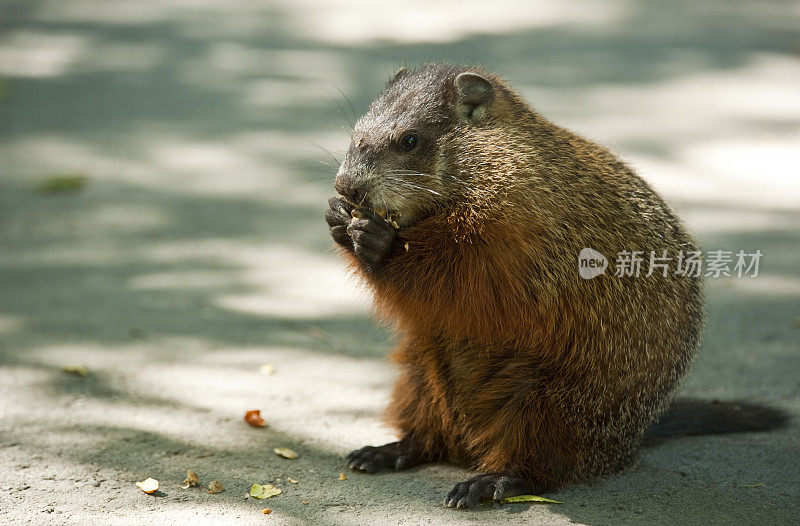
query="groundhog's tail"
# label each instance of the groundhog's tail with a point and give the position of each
(691, 416)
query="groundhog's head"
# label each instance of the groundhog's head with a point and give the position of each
(397, 161)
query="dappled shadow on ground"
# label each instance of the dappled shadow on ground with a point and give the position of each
(198, 250)
(116, 286)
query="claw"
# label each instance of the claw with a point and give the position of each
(402, 463)
(372, 459)
(494, 486)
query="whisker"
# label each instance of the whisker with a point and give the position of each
(414, 186)
(329, 154)
(352, 106)
(423, 189)
(421, 174)
(407, 172)
(350, 120)
(327, 164)
(419, 188)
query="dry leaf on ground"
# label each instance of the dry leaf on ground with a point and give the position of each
(191, 480)
(149, 485)
(215, 486)
(254, 418)
(342, 476)
(285, 452)
(529, 498)
(5, 90)
(265, 491)
(77, 370)
(63, 183)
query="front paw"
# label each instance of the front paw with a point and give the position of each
(372, 459)
(338, 218)
(496, 486)
(373, 238)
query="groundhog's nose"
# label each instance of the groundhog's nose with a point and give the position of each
(349, 187)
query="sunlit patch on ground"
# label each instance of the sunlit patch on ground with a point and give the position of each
(195, 250)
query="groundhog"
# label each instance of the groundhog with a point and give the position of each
(465, 212)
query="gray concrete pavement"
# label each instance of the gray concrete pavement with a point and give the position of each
(197, 251)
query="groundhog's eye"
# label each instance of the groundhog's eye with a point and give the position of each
(409, 141)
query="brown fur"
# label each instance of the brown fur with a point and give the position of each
(509, 359)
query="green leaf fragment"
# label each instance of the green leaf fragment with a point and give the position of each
(5, 90)
(77, 370)
(529, 498)
(265, 491)
(754, 485)
(63, 183)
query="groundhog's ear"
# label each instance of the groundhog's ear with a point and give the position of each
(402, 72)
(474, 95)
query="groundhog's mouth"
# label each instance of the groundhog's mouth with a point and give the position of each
(393, 217)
